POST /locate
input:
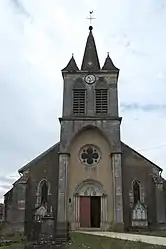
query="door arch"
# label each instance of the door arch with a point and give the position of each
(90, 204)
(90, 187)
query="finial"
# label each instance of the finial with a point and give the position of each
(72, 54)
(90, 19)
(108, 54)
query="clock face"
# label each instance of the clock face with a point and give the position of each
(90, 78)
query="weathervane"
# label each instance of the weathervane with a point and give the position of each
(90, 17)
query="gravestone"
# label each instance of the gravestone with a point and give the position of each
(43, 236)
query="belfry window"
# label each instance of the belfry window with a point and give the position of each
(101, 101)
(136, 192)
(79, 98)
(79, 101)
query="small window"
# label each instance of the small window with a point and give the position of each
(79, 101)
(136, 192)
(44, 193)
(101, 101)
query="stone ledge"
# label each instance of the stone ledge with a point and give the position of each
(91, 118)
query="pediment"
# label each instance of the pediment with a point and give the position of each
(41, 211)
(140, 206)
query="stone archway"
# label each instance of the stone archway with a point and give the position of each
(89, 192)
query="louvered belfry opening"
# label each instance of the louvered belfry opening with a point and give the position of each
(79, 101)
(101, 101)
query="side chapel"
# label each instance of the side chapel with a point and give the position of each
(90, 179)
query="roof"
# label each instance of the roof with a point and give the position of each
(155, 165)
(90, 59)
(8, 192)
(38, 158)
(71, 66)
(109, 65)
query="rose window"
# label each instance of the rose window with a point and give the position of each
(90, 155)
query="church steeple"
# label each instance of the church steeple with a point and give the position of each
(90, 60)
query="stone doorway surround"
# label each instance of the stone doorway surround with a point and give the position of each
(89, 188)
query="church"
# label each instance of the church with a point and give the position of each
(90, 179)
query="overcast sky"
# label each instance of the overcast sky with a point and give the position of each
(37, 38)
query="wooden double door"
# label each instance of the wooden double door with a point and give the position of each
(90, 211)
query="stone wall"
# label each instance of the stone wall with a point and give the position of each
(45, 167)
(15, 205)
(2, 211)
(136, 167)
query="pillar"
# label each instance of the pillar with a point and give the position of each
(76, 213)
(62, 223)
(160, 204)
(20, 191)
(104, 213)
(117, 185)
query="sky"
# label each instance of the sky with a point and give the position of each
(37, 39)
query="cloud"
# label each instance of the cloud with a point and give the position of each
(146, 108)
(19, 6)
(6, 183)
(7, 179)
(1, 195)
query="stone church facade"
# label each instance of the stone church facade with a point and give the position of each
(90, 179)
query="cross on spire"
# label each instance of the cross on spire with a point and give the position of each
(90, 17)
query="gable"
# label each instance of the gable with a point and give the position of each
(125, 149)
(129, 152)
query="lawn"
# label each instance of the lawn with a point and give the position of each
(86, 241)
(13, 246)
(17, 237)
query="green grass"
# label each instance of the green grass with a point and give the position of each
(14, 237)
(13, 246)
(17, 236)
(86, 241)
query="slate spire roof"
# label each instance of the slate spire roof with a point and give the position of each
(109, 65)
(71, 66)
(90, 59)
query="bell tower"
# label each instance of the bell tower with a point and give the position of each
(90, 98)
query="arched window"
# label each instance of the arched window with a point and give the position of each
(79, 97)
(136, 192)
(44, 193)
